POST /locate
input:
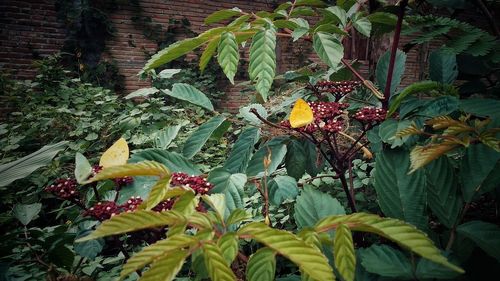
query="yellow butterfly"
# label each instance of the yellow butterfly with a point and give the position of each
(301, 115)
(116, 155)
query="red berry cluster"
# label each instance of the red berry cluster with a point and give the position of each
(370, 115)
(326, 117)
(64, 189)
(198, 184)
(337, 88)
(323, 109)
(132, 204)
(121, 182)
(164, 205)
(103, 210)
(333, 125)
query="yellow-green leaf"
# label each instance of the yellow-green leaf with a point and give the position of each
(228, 244)
(423, 155)
(200, 220)
(262, 265)
(343, 251)
(237, 216)
(222, 15)
(166, 267)
(217, 267)
(208, 53)
(145, 168)
(157, 192)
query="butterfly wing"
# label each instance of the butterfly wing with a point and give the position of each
(301, 115)
(116, 155)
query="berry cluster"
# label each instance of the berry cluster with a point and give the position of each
(132, 204)
(64, 189)
(338, 88)
(164, 205)
(332, 125)
(370, 115)
(121, 182)
(103, 210)
(198, 184)
(326, 117)
(323, 109)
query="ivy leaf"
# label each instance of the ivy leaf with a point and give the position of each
(262, 66)
(485, 235)
(343, 250)
(296, 159)
(25, 213)
(172, 160)
(362, 24)
(228, 55)
(443, 66)
(221, 15)
(383, 68)
(228, 244)
(262, 265)
(190, 94)
(478, 162)
(166, 267)
(231, 185)
(208, 53)
(313, 205)
(281, 188)
(241, 152)
(276, 148)
(308, 258)
(216, 264)
(198, 138)
(328, 48)
(386, 261)
(83, 169)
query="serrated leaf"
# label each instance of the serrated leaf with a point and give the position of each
(383, 69)
(237, 215)
(386, 261)
(312, 205)
(186, 203)
(485, 235)
(158, 192)
(404, 234)
(83, 169)
(343, 251)
(145, 168)
(296, 159)
(190, 94)
(423, 155)
(328, 48)
(228, 55)
(217, 202)
(430, 270)
(165, 268)
(362, 25)
(143, 92)
(308, 258)
(172, 160)
(174, 51)
(137, 220)
(281, 188)
(216, 264)
(276, 148)
(443, 66)
(262, 265)
(231, 185)
(221, 15)
(208, 53)
(198, 138)
(228, 244)
(262, 66)
(241, 152)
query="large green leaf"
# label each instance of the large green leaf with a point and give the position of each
(228, 244)
(313, 205)
(281, 188)
(262, 265)
(277, 148)
(174, 51)
(239, 157)
(228, 55)
(25, 213)
(296, 159)
(343, 250)
(308, 258)
(383, 69)
(172, 160)
(198, 138)
(190, 94)
(403, 233)
(238, 215)
(166, 267)
(83, 169)
(443, 66)
(143, 92)
(382, 22)
(328, 48)
(216, 264)
(481, 107)
(88, 249)
(478, 162)
(222, 15)
(485, 235)
(262, 66)
(442, 192)
(22, 167)
(163, 138)
(386, 261)
(400, 195)
(231, 185)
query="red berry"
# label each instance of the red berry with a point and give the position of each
(132, 204)
(64, 189)
(103, 210)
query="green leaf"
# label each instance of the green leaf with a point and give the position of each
(343, 251)
(312, 3)
(168, 73)
(228, 244)
(237, 215)
(241, 152)
(166, 267)
(362, 25)
(278, 151)
(208, 53)
(313, 205)
(328, 48)
(199, 137)
(174, 51)
(60, 255)
(386, 261)
(25, 213)
(339, 13)
(415, 88)
(216, 264)
(485, 235)
(231, 185)
(262, 66)
(222, 15)
(383, 69)
(173, 161)
(83, 169)
(388, 130)
(442, 192)
(330, 28)
(88, 249)
(308, 258)
(478, 162)
(143, 92)
(262, 265)
(286, 24)
(137, 220)
(249, 116)
(23, 167)
(217, 202)
(315, 161)
(190, 94)
(405, 234)
(430, 270)
(400, 195)
(302, 11)
(228, 55)
(164, 137)
(443, 66)
(145, 168)
(158, 192)
(481, 107)
(282, 188)
(382, 22)
(296, 159)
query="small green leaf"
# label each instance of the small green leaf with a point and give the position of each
(190, 94)
(313, 205)
(228, 244)
(231, 185)
(281, 188)
(83, 169)
(262, 265)
(221, 15)
(312, 3)
(241, 152)
(157, 193)
(343, 251)
(166, 267)
(485, 235)
(174, 51)
(199, 137)
(339, 13)
(276, 148)
(386, 261)
(25, 213)
(228, 55)
(143, 92)
(328, 48)
(362, 25)
(168, 73)
(216, 264)
(262, 66)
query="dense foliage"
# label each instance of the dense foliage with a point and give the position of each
(360, 180)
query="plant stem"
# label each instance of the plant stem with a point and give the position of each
(453, 231)
(345, 186)
(395, 43)
(492, 21)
